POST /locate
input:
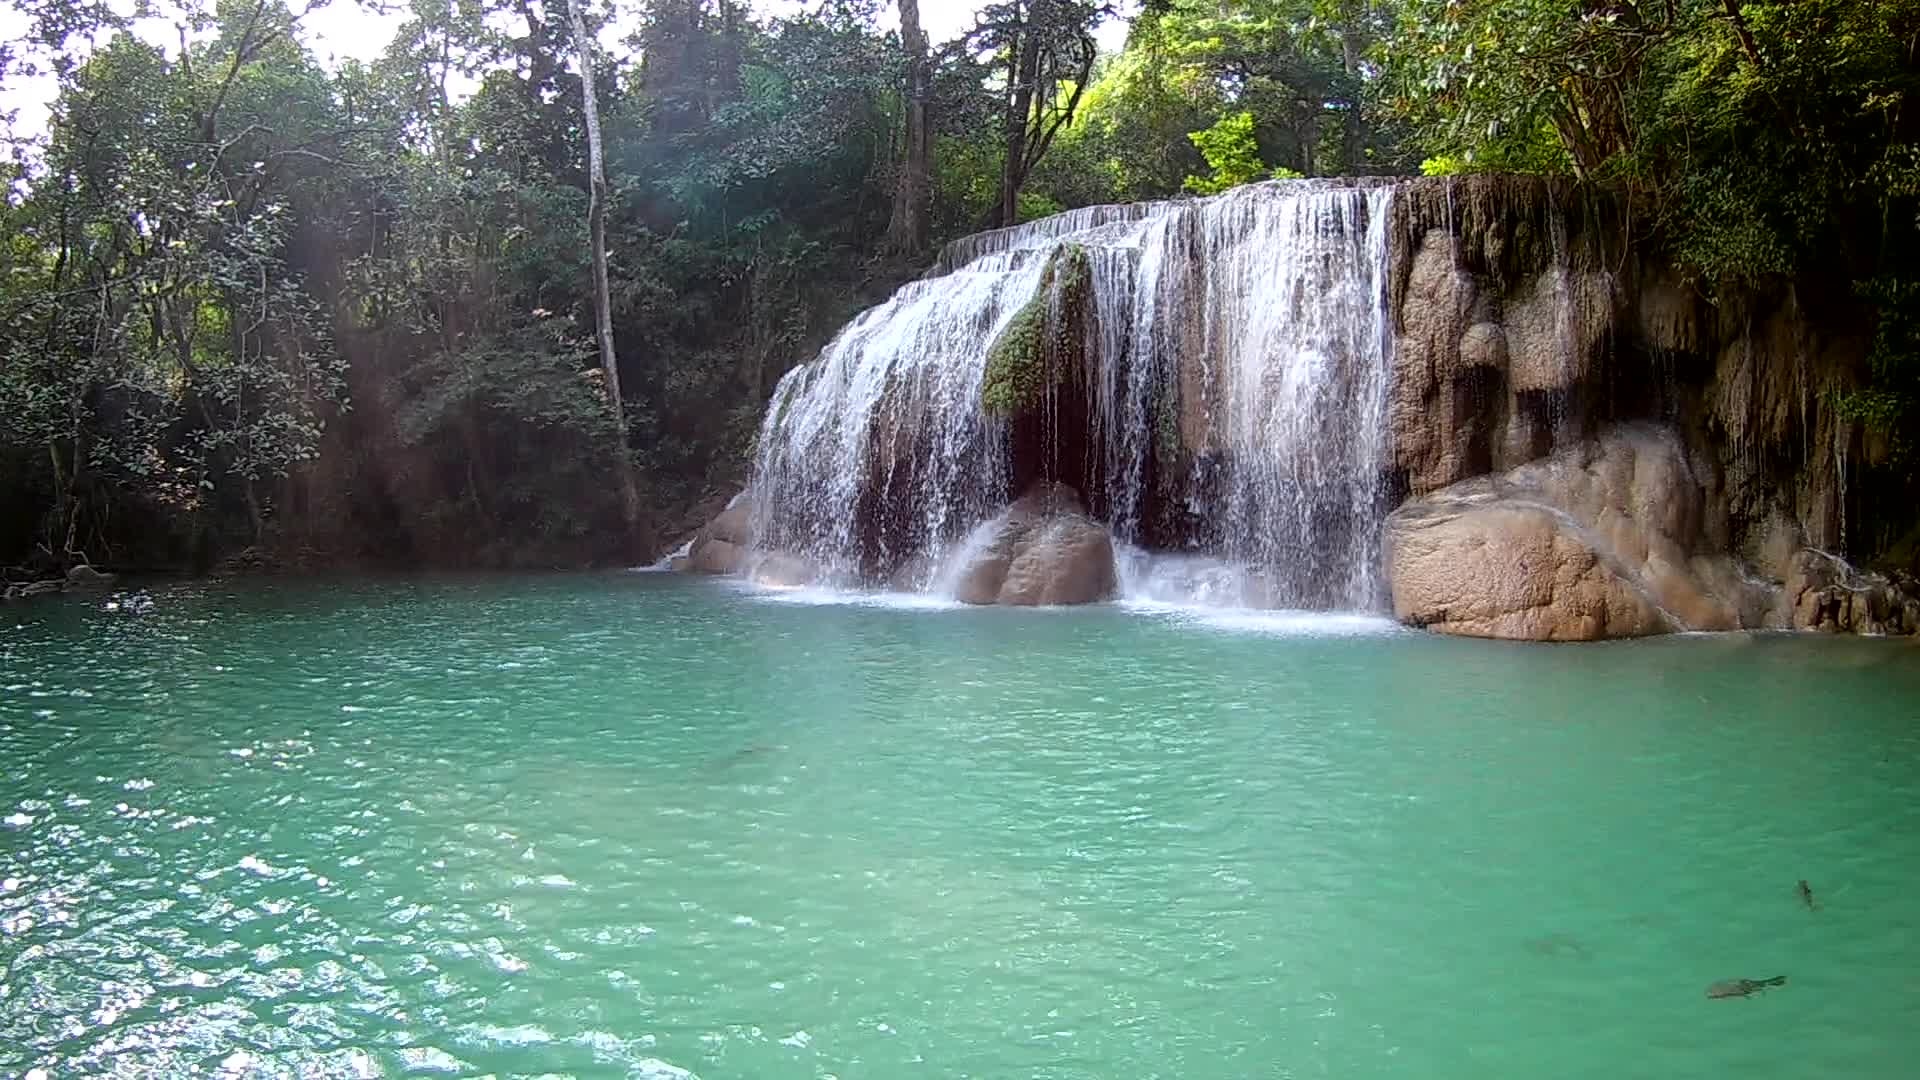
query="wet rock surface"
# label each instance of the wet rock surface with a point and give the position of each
(721, 545)
(1043, 550)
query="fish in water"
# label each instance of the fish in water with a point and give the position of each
(1559, 945)
(1806, 894)
(1729, 988)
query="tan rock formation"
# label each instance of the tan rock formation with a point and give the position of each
(782, 570)
(721, 546)
(1610, 538)
(716, 556)
(1424, 414)
(1554, 328)
(1509, 571)
(1042, 550)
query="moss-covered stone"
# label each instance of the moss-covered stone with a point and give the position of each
(1166, 425)
(1016, 362)
(1025, 361)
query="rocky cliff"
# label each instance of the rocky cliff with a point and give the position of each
(1591, 447)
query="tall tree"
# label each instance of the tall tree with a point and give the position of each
(597, 238)
(907, 231)
(1045, 48)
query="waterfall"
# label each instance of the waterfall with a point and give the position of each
(1230, 405)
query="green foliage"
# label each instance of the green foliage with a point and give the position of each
(232, 240)
(1166, 426)
(245, 297)
(1231, 152)
(1889, 402)
(1296, 70)
(1757, 140)
(1035, 205)
(1130, 140)
(161, 342)
(1016, 373)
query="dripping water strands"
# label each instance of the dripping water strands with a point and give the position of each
(1210, 375)
(1566, 333)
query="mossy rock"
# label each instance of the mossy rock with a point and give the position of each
(1023, 362)
(1166, 425)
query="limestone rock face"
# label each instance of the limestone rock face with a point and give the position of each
(1609, 538)
(1429, 421)
(1484, 345)
(1042, 550)
(1555, 326)
(1473, 353)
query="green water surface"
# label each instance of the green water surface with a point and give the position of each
(637, 825)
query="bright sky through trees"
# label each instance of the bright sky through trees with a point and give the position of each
(345, 30)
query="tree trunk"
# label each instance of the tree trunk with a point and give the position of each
(1738, 19)
(1023, 72)
(1353, 138)
(907, 231)
(597, 230)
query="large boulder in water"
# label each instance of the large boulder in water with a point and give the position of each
(1607, 539)
(1503, 570)
(84, 576)
(725, 546)
(1042, 550)
(721, 545)
(716, 556)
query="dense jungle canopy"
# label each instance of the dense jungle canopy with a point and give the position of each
(345, 313)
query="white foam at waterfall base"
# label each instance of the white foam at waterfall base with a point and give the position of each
(664, 563)
(1213, 593)
(1181, 581)
(1289, 623)
(1266, 305)
(826, 596)
(944, 581)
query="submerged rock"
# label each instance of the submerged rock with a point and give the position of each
(32, 589)
(1042, 550)
(248, 560)
(1824, 592)
(86, 577)
(1608, 539)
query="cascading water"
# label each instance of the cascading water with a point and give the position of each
(1234, 386)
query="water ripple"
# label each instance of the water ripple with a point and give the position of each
(643, 826)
